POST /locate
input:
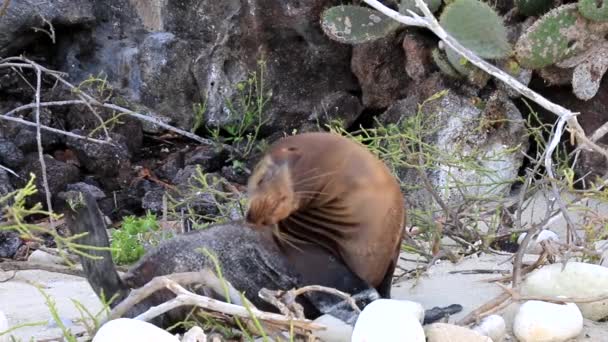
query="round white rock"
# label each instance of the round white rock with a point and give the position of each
(493, 326)
(129, 330)
(390, 320)
(534, 244)
(577, 280)
(538, 321)
(442, 332)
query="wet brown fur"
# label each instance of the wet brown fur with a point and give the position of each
(326, 189)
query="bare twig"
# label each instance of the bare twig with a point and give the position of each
(9, 170)
(50, 129)
(45, 181)
(481, 311)
(187, 298)
(204, 277)
(285, 301)
(26, 265)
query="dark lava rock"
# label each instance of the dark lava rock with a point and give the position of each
(379, 67)
(170, 165)
(418, 61)
(153, 200)
(22, 15)
(209, 157)
(96, 192)
(171, 55)
(25, 137)
(5, 183)
(9, 244)
(338, 105)
(235, 175)
(10, 155)
(59, 174)
(101, 159)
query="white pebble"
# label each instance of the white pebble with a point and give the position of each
(577, 280)
(538, 321)
(390, 320)
(493, 326)
(195, 334)
(443, 332)
(534, 244)
(128, 330)
(337, 330)
(3, 327)
(42, 257)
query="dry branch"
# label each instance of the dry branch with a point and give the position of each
(26, 265)
(187, 298)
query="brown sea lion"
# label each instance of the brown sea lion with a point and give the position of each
(325, 189)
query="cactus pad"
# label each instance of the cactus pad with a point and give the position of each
(443, 64)
(596, 10)
(587, 76)
(559, 34)
(533, 7)
(356, 24)
(405, 5)
(477, 27)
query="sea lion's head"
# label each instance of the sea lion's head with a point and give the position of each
(270, 188)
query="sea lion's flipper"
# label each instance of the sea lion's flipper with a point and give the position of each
(384, 288)
(83, 216)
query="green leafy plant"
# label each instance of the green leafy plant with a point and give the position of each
(247, 114)
(128, 243)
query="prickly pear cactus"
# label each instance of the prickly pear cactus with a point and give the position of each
(559, 34)
(405, 5)
(477, 27)
(461, 64)
(533, 7)
(356, 24)
(596, 10)
(443, 64)
(587, 75)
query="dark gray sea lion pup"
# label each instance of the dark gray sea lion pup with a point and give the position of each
(250, 261)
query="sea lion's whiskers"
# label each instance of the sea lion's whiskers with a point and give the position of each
(307, 179)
